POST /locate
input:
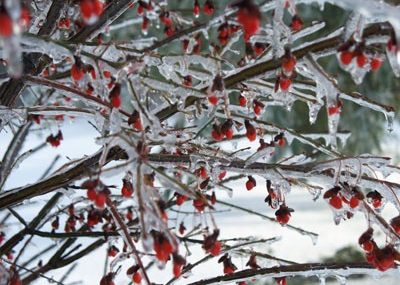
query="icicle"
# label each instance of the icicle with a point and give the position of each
(313, 237)
(359, 99)
(115, 121)
(280, 31)
(326, 89)
(13, 8)
(354, 27)
(393, 58)
(357, 73)
(315, 27)
(57, 52)
(13, 54)
(263, 153)
(390, 119)
(7, 115)
(313, 108)
(341, 279)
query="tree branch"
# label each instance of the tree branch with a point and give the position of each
(305, 269)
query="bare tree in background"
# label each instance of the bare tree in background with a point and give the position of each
(171, 87)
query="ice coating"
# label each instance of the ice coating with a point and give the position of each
(172, 141)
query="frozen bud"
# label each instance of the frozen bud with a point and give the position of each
(218, 84)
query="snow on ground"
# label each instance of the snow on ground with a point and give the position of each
(309, 215)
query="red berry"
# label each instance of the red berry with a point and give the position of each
(199, 205)
(283, 214)
(162, 247)
(177, 270)
(259, 48)
(203, 172)
(92, 71)
(228, 270)
(127, 189)
(288, 64)
(284, 219)
(187, 81)
(222, 174)
(213, 99)
(25, 17)
(64, 23)
(284, 83)
(375, 63)
(229, 134)
(335, 202)
(281, 280)
(223, 31)
(223, 40)
(216, 249)
(361, 60)
(55, 140)
(129, 215)
(354, 202)
(296, 23)
(100, 200)
(89, 89)
(116, 101)
(251, 183)
(257, 109)
(377, 203)
(115, 96)
(98, 7)
(197, 48)
(137, 277)
(185, 44)
(87, 9)
(169, 31)
(375, 198)
(180, 199)
(107, 74)
(140, 9)
(196, 8)
(242, 101)
(249, 17)
(385, 257)
(77, 72)
(107, 279)
(112, 251)
(178, 263)
(165, 19)
(251, 133)
(182, 228)
(333, 110)
(368, 246)
(216, 135)
(149, 6)
(208, 8)
(346, 57)
(15, 279)
(145, 24)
